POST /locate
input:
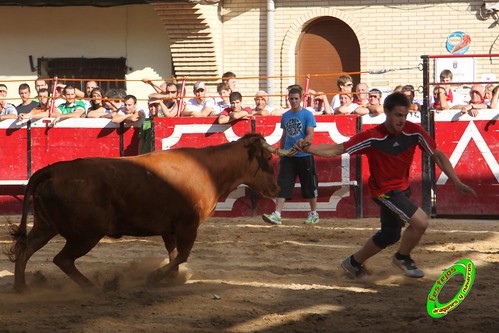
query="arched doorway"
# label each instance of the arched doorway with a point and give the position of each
(327, 45)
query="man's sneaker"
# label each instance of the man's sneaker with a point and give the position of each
(355, 272)
(272, 218)
(312, 218)
(408, 266)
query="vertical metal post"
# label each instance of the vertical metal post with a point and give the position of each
(28, 150)
(252, 192)
(270, 49)
(358, 190)
(426, 165)
(153, 135)
(121, 132)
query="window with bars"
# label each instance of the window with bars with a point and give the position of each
(77, 71)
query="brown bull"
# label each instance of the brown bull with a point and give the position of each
(168, 193)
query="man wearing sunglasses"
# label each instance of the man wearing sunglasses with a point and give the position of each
(166, 100)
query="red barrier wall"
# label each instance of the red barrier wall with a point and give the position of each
(473, 149)
(470, 143)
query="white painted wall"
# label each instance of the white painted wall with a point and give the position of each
(134, 32)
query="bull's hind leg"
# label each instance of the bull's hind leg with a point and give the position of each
(185, 240)
(74, 249)
(37, 238)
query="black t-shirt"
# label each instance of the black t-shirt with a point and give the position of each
(26, 108)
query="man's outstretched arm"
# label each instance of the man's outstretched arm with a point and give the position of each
(443, 163)
(323, 150)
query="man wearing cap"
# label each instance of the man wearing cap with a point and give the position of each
(200, 105)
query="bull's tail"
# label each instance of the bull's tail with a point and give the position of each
(19, 232)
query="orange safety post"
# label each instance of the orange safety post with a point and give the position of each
(305, 95)
(181, 98)
(52, 101)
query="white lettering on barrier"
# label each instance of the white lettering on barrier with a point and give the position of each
(471, 132)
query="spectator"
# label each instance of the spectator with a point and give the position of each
(318, 103)
(40, 84)
(236, 110)
(440, 99)
(58, 96)
(230, 79)
(477, 101)
(129, 113)
(42, 108)
(451, 96)
(361, 98)
(347, 106)
(222, 102)
(27, 104)
(361, 94)
(398, 88)
(345, 85)
(261, 104)
(493, 99)
(155, 106)
(166, 102)
(488, 93)
(374, 108)
(408, 90)
(7, 110)
(91, 85)
(72, 108)
(78, 93)
(200, 104)
(112, 99)
(298, 127)
(97, 108)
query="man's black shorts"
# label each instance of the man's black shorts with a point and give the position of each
(396, 205)
(302, 167)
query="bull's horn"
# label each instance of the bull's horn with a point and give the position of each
(280, 152)
(270, 148)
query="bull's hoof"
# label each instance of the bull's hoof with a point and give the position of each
(21, 288)
(154, 278)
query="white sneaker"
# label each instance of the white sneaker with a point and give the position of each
(272, 218)
(312, 218)
(408, 266)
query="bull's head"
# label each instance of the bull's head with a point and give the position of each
(260, 174)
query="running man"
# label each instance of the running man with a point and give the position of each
(390, 149)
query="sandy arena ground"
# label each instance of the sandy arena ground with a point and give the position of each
(246, 276)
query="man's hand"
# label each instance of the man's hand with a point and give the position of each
(465, 189)
(302, 145)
